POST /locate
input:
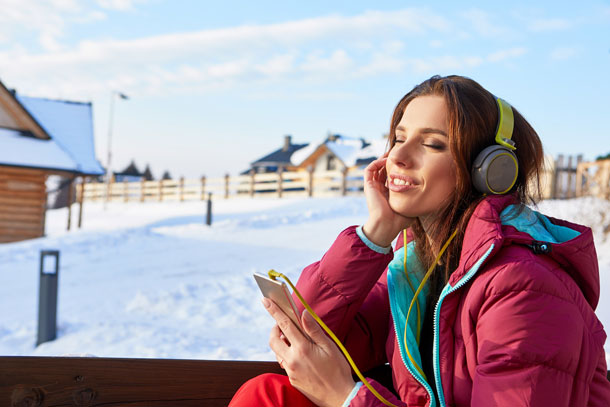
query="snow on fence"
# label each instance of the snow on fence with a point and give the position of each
(280, 184)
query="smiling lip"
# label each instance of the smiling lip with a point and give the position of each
(401, 183)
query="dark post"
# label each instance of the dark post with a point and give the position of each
(208, 216)
(344, 181)
(203, 187)
(310, 181)
(70, 199)
(47, 299)
(252, 182)
(81, 198)
(280, 181)
(556, 180)
(227, 186)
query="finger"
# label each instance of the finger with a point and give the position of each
(277, 344)
(373, 170)
(375, 165)
(313, 329)
(285, 324)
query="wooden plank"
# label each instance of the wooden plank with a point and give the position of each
(22, 183)
(18, 201)
(22, 217)
(29, 172)
(264, 177)
(49, 381)
(37, 195)
(292, 175)
(23, 119)
(21, 209)
(12, 239)
(271, 186)
(15, 236)
(20, 228)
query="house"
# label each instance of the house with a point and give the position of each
(339, 153)
(280, 158)
(335, 152)
(38, 138)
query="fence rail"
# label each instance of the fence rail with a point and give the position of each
(296, 183)
(563, 177)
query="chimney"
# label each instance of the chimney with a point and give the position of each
(287, 142)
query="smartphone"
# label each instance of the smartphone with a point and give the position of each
(279, 293)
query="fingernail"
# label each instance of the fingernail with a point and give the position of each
(266, 302)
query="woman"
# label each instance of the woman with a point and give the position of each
(507, 316)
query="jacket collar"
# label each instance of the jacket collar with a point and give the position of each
(574, 252)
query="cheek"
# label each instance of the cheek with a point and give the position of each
(445, 178)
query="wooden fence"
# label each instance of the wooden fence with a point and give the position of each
(564, 177)
(593, 179)
(281, 184)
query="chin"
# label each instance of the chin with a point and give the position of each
(402, 206)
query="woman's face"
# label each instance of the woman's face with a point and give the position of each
(420, 168)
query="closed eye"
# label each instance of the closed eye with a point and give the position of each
(435, 146)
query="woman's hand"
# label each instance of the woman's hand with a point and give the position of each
(316, 367)
(383, 224)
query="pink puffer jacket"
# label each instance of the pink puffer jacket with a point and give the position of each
(515, 325)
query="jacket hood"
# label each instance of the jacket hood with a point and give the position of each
(501, 221)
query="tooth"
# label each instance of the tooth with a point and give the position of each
(402, 182)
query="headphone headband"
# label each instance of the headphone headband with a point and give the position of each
(506, 122)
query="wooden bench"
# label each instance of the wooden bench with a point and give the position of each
(59, 381)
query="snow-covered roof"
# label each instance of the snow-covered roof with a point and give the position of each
(299, 156)
(280, 156)
(349, 150)
(18, 149)
(70, 125)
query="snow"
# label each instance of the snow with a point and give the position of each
(347, 149)
(151, 280)
(301, 154)
(19, 150)
(70, 125)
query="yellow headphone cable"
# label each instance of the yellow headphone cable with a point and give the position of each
(274, 275)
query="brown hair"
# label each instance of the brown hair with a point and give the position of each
(472, 120)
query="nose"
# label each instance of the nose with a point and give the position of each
(401, 155)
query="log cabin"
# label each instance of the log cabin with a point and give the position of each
(39, 137)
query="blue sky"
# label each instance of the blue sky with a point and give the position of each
(215, 85)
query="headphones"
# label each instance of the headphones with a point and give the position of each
(495, 169)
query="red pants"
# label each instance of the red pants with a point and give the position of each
(269, 390)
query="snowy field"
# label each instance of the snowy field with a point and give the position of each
(151, 280)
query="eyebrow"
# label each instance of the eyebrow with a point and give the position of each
(426, 130)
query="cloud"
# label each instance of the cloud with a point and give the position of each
(484, 24)
(247, 51)
(326, 48)
(506, 54)
(552, 24)
(122, 5)
(336, 63)
(562, 53)
(444, 63)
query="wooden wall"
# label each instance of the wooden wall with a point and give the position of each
(22, 203)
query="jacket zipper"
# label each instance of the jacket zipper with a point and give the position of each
(424, 384)
(435, 349)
